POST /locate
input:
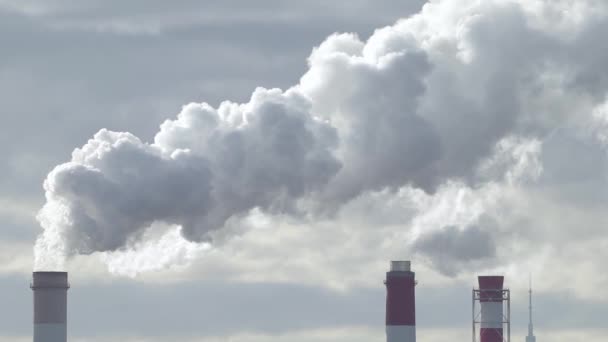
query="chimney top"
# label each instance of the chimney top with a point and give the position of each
(400, 266)
(45, 279)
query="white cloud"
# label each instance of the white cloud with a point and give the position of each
(432, 127)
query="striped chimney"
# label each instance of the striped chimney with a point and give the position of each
(50, 306)
(491, 301)
(400, 303)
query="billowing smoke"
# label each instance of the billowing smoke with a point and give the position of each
(419, 103)
(202, 169)
(452, 248)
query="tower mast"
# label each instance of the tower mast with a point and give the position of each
(530, 337)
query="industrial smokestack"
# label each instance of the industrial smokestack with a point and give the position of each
(400, 303)
(491, 302)
(50, 306)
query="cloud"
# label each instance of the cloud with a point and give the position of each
(454, 118)
(264, 154)
(371, 229)
(151, 18)
(531, 71)
(451, 247)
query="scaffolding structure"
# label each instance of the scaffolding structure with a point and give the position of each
(495, 295)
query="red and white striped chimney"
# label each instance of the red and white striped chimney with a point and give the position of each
(491, 301)
(400, 303)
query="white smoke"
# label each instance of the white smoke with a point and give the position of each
(203, 168)
(421, 103)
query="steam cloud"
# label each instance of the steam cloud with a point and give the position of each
(419, 103)
(452, 248)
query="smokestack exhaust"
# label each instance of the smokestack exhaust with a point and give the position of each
(400, 303)
(50, 306)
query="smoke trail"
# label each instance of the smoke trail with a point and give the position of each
(451, 248)
(203, 168)
(419, 103)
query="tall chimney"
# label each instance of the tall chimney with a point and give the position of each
(491, 301)
(400, 303)
(50, 306)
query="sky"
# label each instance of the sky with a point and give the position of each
(245, 171)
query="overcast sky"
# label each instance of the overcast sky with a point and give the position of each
(469, 137)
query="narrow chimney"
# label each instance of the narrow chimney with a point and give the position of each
(400, 303)
(50, 306)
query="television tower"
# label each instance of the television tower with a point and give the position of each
(530, 337)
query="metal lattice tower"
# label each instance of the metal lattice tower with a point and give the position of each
(530, 337)
(491, 311)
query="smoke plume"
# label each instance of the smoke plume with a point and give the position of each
(452, 248)
(417, 104)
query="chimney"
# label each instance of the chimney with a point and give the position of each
(50, 306)
(400, 303)
(491, 302)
